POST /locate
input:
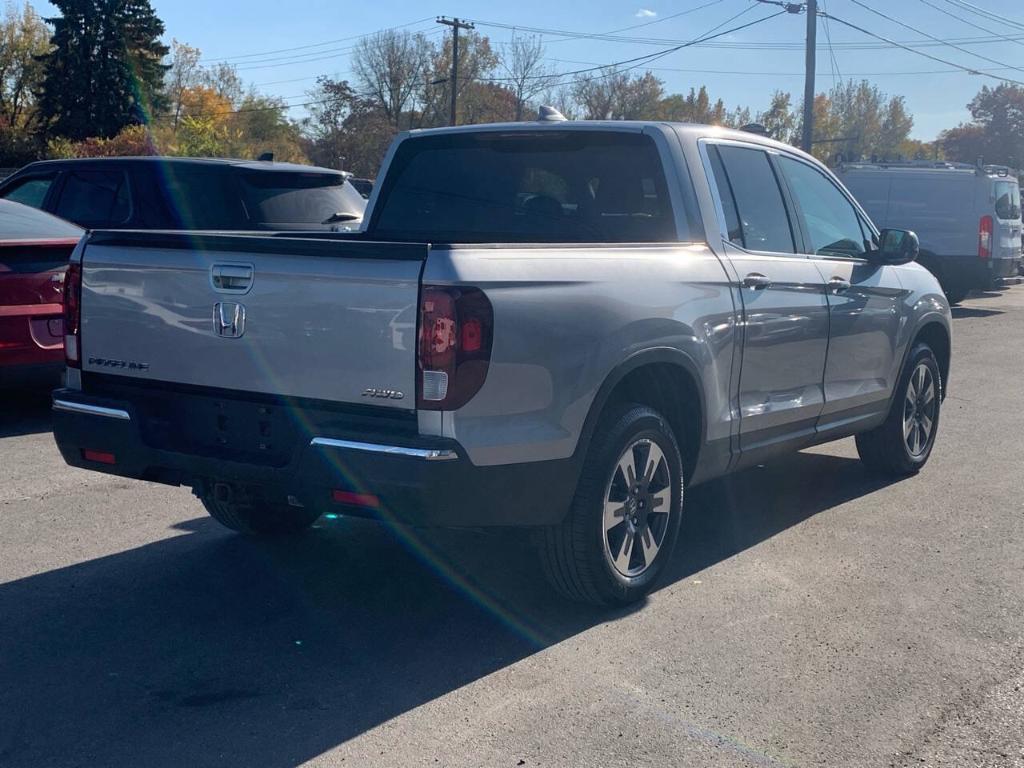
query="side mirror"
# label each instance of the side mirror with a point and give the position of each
(897, 246)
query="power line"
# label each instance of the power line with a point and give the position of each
(947, 62)
(228, 59)
(970, 23)
(606, 70)
(836, 75)
(751, 45)
(990, 15)
(867, 7)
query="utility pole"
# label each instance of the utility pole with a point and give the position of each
(456, 24)
(809, 63)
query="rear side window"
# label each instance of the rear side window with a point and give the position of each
(202, 198)
(31, 192)
(1007, 200)
(555, 186)
(95, 198)
(756, 198)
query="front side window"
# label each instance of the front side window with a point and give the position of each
(95, 198)
(550, 186)
(759, 220)
(31, 192)
(832, 223)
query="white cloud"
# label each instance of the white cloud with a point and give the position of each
(646, 13)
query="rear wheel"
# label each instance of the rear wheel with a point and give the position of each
(956, 293)
(903, 443)
(257, 517)
(624, 520)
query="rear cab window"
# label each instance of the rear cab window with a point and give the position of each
(528, 187)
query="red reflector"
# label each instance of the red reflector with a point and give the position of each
(355, 499)
(985, 244)
(101, 457)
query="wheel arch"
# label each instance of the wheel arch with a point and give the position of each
(936, 335)
(662, 378)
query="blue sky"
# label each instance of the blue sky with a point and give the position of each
(744, 72)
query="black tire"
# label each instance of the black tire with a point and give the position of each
(258, 518)
(956, 293)
(577, 553)
(887, 449)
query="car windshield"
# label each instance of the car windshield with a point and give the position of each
(20, 222)
(299, 198)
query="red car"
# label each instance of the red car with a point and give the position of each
(34, 250)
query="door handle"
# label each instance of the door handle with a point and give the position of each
(838, 284)
(231, 278)
(755, 281)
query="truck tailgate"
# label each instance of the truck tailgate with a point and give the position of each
(306, 318)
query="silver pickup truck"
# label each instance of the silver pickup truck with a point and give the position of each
(559, 325)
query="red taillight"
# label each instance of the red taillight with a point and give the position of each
(985, 237)
(454, 346)
(101, 457)
(355, 499)
(73, 316)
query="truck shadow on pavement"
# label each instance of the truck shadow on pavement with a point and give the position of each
(208, 649)
(24, 413)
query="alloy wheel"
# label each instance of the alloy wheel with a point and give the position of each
(919, 410)
(637, 505)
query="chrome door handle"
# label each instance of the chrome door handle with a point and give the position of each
(231, 278)
(838, 284)
(755, 281)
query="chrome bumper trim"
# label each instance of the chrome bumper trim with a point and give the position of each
(427, 454)
(91, 410)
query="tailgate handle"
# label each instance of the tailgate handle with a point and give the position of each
(231, 278)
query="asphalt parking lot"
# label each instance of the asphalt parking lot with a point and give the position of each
(815, 616)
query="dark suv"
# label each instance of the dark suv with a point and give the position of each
(187, 193)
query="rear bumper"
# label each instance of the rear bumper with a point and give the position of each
(417, 481)
(43, 375)
(972, 272)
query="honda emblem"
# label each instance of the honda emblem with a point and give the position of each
(229, 319)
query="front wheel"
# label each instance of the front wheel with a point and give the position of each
(624, 520)
(903, 443)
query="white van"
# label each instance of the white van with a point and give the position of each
(967, 218)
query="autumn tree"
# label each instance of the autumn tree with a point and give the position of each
(477, 62)
(996, 131)
(24, 38)
(614, 94)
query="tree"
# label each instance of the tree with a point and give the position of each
(779, 119)
(695, 107)
(527, 73)
(389, 66)
(346, 130)
(23, 39)
(858, 120)
(184, 74)
(619, 95)
(105, 70)
(996, 131)
(477, 61)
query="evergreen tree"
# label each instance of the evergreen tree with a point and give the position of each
(106, 68)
